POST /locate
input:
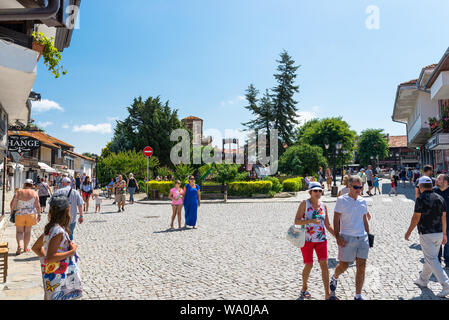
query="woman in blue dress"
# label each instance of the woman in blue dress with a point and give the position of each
(192, 199)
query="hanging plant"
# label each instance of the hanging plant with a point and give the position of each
(52, 56)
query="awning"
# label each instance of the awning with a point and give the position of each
(46, 167)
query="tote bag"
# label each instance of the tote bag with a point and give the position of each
(296, 236)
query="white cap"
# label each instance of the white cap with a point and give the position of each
(29, 181)
(424, 179)
(66, 180)
(314, 186)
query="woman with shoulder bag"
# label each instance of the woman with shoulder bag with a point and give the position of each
(132, 186)
(313, 214)
(25, 206)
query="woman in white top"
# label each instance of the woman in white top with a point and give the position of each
(345, 190)
(26, 206)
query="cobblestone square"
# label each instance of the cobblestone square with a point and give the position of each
(239, 251)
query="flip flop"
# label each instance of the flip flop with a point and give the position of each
(306, 294)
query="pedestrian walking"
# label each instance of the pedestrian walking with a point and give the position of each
(77, 181)
(442, 188)
(328, 179)
(351, 230)
(410, 176)
(25, 206)
(393, 188)
(369, 179)
(132, 186)
(43, 192)
(362, 176)
(60, 273)
(345, 190)
(176, 197)
(321, 176)
(120, 190)
(430, 217)
(403, 176)
(376, 184)
(98, 201)
(76, 204)
(86, 189)
(428, 172)
(313, 214)
(192, 201)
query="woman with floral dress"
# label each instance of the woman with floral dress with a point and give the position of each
(313, 214)
(60, 273)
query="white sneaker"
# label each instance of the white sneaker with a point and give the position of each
(420, 283)
(443, 292)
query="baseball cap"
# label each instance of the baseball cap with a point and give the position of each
(60, 201)
(314, 186)
(29, 181)
(66, 180)
(424, 179)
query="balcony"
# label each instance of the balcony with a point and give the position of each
(417, 134)
(440, 88)
(17, 76)
(439, 140)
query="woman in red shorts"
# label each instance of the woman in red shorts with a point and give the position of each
(313, 214)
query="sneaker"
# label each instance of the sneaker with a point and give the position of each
(420, 283)
(444, 292)
(333, 285)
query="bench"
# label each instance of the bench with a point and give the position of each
(215, 189)
(4, 259)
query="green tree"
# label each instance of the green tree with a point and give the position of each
(182, 172)
(150, 123)
(164, 172)
(302, 160)
(371, 143)
(331, 131)
(285, 110)
(226, 172)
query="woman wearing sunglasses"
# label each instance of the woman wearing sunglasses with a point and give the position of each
(192, 200)
(313, 214)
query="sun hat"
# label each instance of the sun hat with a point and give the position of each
(60, 202)
(314, 186)
(424, 179)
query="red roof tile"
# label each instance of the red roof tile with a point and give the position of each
(409, 82)
(397, 141)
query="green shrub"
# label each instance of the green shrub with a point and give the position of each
(248, 188)
(293, 184)
(143, 187)
(161, 186)
(277, 186)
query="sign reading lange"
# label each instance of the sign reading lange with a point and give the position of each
(22, 144)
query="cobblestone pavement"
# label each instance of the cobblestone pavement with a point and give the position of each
(239, 251)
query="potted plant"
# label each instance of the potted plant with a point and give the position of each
(52, 56)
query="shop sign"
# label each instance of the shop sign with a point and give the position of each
(21, 144)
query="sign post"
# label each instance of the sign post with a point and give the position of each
(148, 152)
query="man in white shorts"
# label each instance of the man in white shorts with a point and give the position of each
(351, 230)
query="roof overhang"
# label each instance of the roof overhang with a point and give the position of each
(405, 103)
(443, 65)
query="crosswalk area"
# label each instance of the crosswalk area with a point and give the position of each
(388, 200)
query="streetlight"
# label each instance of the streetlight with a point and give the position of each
(335, 153)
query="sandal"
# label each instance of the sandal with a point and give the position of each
(306, 294)
(332, 298)
(19, 251)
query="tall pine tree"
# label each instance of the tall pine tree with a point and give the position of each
(285, 111)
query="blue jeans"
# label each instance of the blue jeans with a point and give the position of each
(72, 229)
(131, 194)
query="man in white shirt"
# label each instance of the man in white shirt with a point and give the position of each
(351, 230)
(75, 200)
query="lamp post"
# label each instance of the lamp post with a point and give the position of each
(335, 152)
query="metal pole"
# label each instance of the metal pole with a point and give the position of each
(148, 163)
(4, 184)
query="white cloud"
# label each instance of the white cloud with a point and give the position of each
(241, 98)
(65, 126)
(304, 116)
(236, 100)
(110, 119)
(44, 124)
(45, 105)
(102, 128)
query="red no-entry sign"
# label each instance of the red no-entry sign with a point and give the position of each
(148, 151)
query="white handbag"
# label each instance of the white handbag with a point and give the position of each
(297, 236)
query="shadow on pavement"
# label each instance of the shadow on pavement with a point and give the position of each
(172, 230)
(35, 258)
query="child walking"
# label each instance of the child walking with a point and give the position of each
(393, 187)
(97, 202)
(376, 184)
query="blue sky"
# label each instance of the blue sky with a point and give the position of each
(201, 55)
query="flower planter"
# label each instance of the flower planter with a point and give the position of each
(39, 47)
